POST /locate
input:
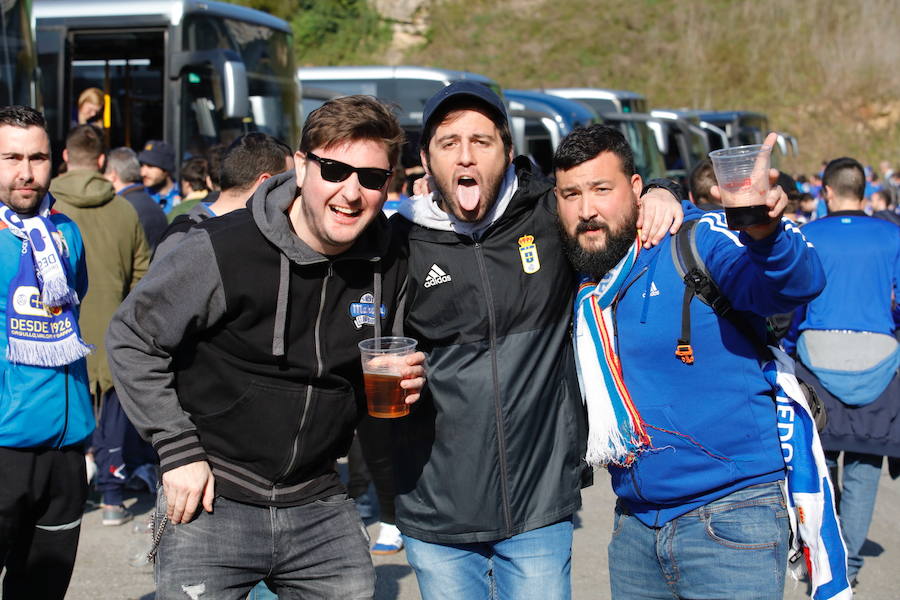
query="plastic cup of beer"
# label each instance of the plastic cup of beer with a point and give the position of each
(742, 173)
(383, 359)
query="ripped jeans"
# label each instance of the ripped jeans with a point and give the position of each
(317, 550)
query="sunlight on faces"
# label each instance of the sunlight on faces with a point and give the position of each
(24, 167)
(153, 176)
(597, 206)
(467, 161)
(87, 111)
(330, 216)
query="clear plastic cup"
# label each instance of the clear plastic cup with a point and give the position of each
(742, 174)
(383, 360)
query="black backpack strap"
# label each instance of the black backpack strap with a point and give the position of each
(698, 282)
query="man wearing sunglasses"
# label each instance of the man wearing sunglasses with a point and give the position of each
(241, 367)
(491, 462)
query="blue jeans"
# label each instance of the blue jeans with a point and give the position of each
(317, 550)
(735, 547)
(535, 565)
(858, 488)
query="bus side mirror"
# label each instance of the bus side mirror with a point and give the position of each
(234, 82)
(231, 70)
(659, 133)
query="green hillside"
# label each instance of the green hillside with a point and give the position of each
(827, 72)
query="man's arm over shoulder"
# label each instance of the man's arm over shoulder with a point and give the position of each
(767, 276)
(177, 299)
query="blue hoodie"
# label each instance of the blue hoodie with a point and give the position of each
(43, 407)
(712, 423)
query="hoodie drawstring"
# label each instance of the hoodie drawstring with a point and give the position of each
(377, 283)
(281, 307)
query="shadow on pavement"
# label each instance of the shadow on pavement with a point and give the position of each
(387, 579)
(871, 548)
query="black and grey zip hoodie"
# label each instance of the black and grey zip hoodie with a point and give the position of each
(240, 348)
(495, 446)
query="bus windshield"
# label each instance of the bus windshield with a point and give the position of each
(648, 161)
(271, 83)
(17, 55)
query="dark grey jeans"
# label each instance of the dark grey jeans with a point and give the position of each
(318, 550)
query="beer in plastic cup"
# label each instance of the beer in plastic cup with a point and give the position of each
(742, 174)
(383, 359)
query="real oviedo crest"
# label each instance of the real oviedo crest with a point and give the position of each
(363, 312)
(529, 254)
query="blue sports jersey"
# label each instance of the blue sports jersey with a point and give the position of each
(855, 299)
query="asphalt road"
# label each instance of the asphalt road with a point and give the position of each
(103, 570)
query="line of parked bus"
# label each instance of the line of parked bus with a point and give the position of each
(197, 73)
(666, 142)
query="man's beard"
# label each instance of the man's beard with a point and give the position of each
(22, 206)
(597, 263)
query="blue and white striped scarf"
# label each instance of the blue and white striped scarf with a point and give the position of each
(814, 520)
(41, 325)
(616, 433)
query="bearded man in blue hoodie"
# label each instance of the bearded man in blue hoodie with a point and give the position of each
(700, 509)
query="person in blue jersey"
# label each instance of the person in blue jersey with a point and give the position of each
(847, 347)
(693, 449)
(46, 413)
(158, 174)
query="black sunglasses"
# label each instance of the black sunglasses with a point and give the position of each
(335, 171)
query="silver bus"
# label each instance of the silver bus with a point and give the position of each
(604, 100)
(194, 73)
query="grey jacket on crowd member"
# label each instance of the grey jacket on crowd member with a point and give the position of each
(246, 354)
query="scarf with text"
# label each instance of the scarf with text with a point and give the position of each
(810, 495)
(41, 327)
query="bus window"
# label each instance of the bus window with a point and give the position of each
(17, 56)
(271, 86)
(411, 95)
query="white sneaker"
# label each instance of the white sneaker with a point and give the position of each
(90, 466)
(389, 540)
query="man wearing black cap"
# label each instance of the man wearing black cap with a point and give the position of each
(158, 172)
(490, 462)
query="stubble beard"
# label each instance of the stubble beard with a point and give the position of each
(22, 206)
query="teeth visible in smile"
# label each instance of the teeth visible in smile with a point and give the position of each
(345, 211)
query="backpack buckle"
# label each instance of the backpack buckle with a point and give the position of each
(685, 352)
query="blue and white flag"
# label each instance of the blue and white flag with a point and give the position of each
(814, 520)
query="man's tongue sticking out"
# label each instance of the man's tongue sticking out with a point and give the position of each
(467, 194)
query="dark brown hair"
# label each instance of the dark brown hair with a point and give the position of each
(84, 145)
(353, 118)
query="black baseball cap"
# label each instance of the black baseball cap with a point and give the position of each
(472, 89)
(158, 153)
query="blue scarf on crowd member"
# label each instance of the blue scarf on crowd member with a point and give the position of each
(616, 432)
(41, 327)
(810, 495)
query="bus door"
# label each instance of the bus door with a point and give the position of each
(127, 65)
